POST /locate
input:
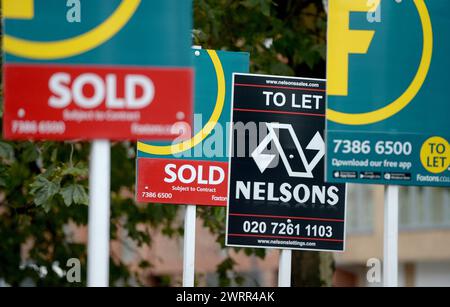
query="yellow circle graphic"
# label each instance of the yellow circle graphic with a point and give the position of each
(76, 45)
(209, 126)
(435, 155)
(402, 101)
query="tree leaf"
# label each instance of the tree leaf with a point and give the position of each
(74, 194)
(43, 190)
(265, 7)
(6, 151)
(282, 69)
(2, 181)
(30, 152)
(250, 3)
(79, 170)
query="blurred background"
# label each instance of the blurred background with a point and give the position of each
(41, 228)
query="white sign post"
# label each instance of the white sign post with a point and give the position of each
(390, 262)
(99, 214)
(189, 246)
(284, 270)
(190, 217)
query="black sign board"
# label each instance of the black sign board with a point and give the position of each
(277, 194)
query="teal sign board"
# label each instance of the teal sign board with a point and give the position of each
(113, 32)
(387, 105)
(193, 169)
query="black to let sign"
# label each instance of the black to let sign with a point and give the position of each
(277, 194)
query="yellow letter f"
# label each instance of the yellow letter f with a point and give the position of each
(342, 41)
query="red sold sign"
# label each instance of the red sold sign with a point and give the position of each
(182, 181)
(194, 171)
(104, 79)
(70, 102)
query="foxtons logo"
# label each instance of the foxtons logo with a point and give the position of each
(70, 46)
(343, 41)
(264, 160)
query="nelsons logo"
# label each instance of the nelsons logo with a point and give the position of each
(264, 160)
(293, 191)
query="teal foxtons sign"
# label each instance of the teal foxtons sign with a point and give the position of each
(113, 32)
(387, 112)
(193, 168)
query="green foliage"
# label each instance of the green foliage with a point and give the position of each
(44, 187)
(285, 37)
(74, 194)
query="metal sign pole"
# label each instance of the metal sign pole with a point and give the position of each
(99, 214)
(189, 246)
(284, 270)
(390, 267)
(189, 240)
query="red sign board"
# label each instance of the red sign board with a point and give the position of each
(181, 179)
(58, 102)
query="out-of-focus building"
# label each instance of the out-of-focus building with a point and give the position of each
(424, 236)
(424, 244)
(166, 257)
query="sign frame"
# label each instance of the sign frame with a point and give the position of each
(399, 135)
(341, 202)
(185, 152)
(72, 81)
